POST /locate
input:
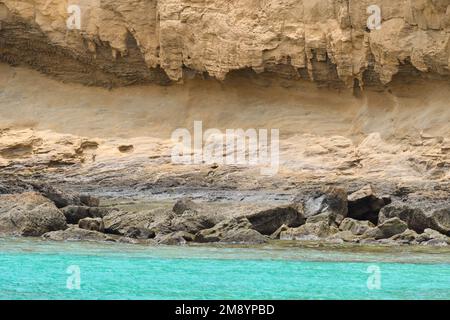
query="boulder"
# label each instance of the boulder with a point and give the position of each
(430, 234)
(95, 224)
(231, 230)
(364, 204)
(59, 197)
(268, 221)
(74, 233)
(418, 219)
(357, 227)
(29, 214)
(440, 220)
(387, 229)
(414, 217)
(191, 222)
(175, 238)
(330, 199)
(118, 222)
(74, 214)
(407, 236)
(139, 233)
(309, 231)
(185, 204)
(328, 217)
(89, 201)
(244, 236)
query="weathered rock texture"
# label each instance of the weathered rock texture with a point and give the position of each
(124, 42)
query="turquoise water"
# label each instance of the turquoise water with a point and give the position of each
(34, 269)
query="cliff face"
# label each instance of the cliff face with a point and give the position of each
(135, 41)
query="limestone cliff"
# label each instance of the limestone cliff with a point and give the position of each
(123, 42)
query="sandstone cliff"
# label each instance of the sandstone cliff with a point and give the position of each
(135, 41)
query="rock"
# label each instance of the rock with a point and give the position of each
(387, 229)
(29, 214)
(408, 236)
(139, 233)
(309, 231)
(436, 243)
(430, 234)
(89, 201)
(185, 204)
(94, 224)
(74, 214)
(440, 220)
(416, 217)
(346, 236)
(191, 222)
(74, 233)
(268, 221)
(277, 233)
(364, 204)
(175, 238)
(231, 230)
(330, 199)
(356, 227)
(244, 236)
(118, 222)
(327, 217)
(60, 198)
(136, 241)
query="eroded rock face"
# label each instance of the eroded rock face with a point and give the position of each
(29, 214)
(123, 42)
(365, 204)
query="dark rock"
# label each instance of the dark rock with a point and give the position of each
(330, 199)
(191, 222)
(185, 204)
(74, 214)
(364, 204)
(415, 218)
(268, 221)
(95, 224)
(60, 198)
(139, 233)
(387, 229)
(440, 220)
(89, 201)
(29, 214)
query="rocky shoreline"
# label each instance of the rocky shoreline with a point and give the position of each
(329, 215)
